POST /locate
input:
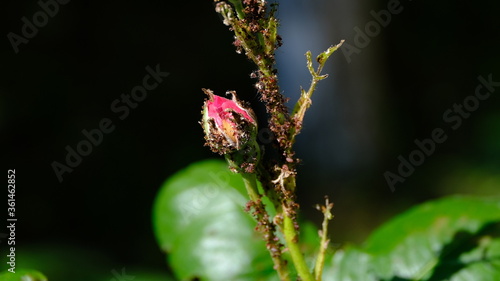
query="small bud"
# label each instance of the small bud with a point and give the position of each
(227, 124)
(231, 130)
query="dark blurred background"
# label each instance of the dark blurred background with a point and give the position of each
(375, 104)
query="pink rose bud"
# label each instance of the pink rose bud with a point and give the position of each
(231, 130)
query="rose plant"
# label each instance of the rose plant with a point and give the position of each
(216, 221)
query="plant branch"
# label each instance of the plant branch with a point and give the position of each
(323, 233)
(291, 238)
(304, 101)
(251, 186)
(255, 32)
(265, 225)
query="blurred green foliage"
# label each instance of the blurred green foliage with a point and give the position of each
(200, 223)
(66, 77)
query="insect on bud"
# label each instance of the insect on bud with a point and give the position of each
(231, 130)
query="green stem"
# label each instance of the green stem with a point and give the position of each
(291, 238)
(304, 101)
(251, 186)
(238, 6)
(253, 192)
(320, 260)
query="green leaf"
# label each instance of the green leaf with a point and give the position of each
(349, 264)
(199, 220)
(454, 238)
(22, 275)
